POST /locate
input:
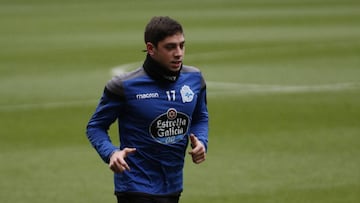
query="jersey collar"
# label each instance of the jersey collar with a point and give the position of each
(159, 72)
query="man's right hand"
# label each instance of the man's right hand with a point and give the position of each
(117, 160)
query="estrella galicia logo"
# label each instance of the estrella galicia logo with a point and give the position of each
(169, 127)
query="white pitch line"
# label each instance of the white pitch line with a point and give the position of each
(46, 105)
(214, 89)
(121, 69)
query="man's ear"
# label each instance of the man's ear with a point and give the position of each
(150, 48)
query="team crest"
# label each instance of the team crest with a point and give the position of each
(187, 94)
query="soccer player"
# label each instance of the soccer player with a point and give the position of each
(160, 108)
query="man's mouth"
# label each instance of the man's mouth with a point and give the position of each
(176, 62)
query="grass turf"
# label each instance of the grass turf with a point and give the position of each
(277, 135)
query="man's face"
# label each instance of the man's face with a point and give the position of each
(169, 52)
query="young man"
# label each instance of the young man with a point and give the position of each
(160, 108)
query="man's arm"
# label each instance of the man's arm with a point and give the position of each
(97, 128)
(200, 128)
(200, 119)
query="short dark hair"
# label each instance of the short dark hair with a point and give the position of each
(161, 27)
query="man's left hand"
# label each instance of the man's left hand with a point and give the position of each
(198, 152)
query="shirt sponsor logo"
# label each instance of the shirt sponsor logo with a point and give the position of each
(147, 95)
(170, 127)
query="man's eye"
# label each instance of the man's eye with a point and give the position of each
(170, 47)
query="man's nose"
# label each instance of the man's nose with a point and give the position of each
(179, 51)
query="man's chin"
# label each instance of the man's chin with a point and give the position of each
(175, 67)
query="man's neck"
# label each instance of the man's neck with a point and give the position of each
(159, 72)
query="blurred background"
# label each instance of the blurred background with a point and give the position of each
(283, 80)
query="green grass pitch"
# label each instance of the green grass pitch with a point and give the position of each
(283, 80)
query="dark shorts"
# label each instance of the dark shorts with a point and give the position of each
(145, 198)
